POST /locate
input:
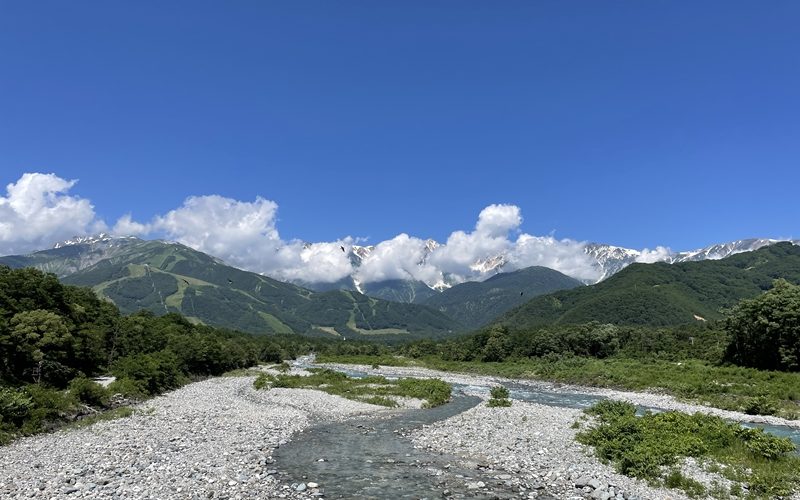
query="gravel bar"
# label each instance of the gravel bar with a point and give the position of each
(210, 439)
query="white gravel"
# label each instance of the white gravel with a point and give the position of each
(211, 439)
(531, 444)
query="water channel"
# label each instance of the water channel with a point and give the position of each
(370, 458)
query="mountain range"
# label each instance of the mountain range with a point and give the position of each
(607, 260)
(169, 277)
(662, 294)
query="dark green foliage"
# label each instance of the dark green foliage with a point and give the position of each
(476, 303)
(14, 405)
(88, 392)
(761, 405)
(53, 337)
(499, 343)
(499, 397)
(406, 291)
(765, 331)
(664, 294)
(128, 388)
(644, 446)
(156, 372)
(498, 392)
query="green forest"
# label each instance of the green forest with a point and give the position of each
(55, 337)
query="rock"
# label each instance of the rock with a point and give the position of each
(70, 490)
(582, 481)
(312, 484)
(594, 483)
(300, 487)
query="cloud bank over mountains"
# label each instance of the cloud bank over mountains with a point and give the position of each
(39, 210)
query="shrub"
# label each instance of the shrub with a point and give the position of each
(88, 392)
(436, 392)
(498, 403)
(263, 381)
(499, 392)
(760, 405)
(155, 372)
(127, 387)
(499, 397)
(14, 405)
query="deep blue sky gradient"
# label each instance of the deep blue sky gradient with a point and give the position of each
(625, 122)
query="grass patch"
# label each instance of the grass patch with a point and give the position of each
(242, 372)
(375, 389)
(122, 412)
(652, 447)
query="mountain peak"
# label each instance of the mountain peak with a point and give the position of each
(91, 240)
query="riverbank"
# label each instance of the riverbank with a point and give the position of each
(210, 439)
(646, 399)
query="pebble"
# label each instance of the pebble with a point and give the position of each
(210, 439)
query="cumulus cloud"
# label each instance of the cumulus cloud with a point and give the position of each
(38, 211)
(566, 256)
(658, 254)
(402, 257)
(244, 234)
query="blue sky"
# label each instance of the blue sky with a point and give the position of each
(632, 123)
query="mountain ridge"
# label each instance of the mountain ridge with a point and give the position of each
(170, 277)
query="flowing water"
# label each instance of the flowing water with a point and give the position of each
(369, 458)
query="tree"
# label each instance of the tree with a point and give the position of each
(40, 338)
(765, 331)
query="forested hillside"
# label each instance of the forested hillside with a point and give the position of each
(166, 277)
(664, 294)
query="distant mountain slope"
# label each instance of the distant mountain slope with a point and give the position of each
(169, 277)
(408, 291)
(664, 294)
(478, 302)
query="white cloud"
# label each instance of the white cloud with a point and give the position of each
(243, 234)
(38, 210)
(399, 258)
(659, 254)
(566, 256)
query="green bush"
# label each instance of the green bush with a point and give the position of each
(50, 406)
(127, 387)
(263, 381)
(89, 392)
(498, 403)
(499, 392)
(499, 397)
(436, 392)
(157, 372)
(14, 405)
(646, 446)
(761, 405)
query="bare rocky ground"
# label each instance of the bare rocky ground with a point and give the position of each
(211, 439)
(533, 445)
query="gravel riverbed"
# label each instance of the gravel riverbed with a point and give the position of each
(216, 439)
(210, 439)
